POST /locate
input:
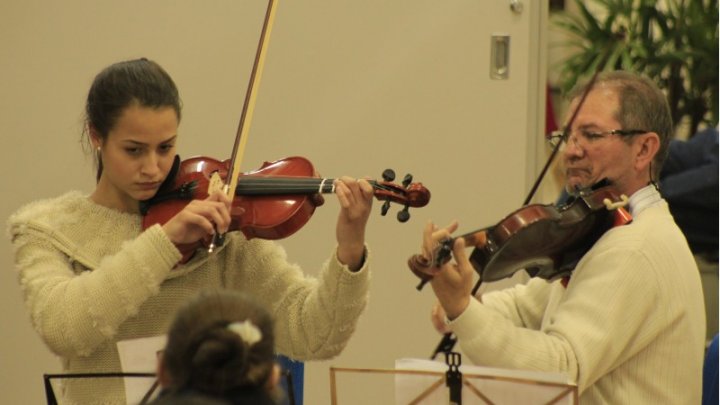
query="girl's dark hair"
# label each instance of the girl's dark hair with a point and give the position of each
(135, 82)
(203, 352)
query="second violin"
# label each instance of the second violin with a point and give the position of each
(545, 240)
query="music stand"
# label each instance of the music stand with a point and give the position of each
(482, 387)
(50, 393)
(52, 399)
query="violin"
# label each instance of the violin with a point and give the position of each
(272, 202)
(545, 240)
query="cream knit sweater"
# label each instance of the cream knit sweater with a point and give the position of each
(628, 329)
(91, 277)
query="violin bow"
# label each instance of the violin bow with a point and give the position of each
(246, 116)
(250, 97)
(566, 130)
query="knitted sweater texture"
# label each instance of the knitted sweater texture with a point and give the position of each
(628, 329)
(91, 277)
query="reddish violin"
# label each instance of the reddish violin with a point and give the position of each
(272, 202)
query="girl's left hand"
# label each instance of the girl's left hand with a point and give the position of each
(355, 197)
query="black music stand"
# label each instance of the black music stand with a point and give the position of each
(52, 400)
(453, 377)
(50, 393)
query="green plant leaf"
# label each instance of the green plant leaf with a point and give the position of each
(674, 42)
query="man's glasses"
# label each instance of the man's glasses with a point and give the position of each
(583, 137)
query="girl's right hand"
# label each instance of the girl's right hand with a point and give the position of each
(200, 219)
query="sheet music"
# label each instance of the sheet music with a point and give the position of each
(139, 356)
(510, 386)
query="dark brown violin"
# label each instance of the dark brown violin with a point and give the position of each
(272, 202)
(545, 240)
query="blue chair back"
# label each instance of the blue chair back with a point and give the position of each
(710, 374)
(297, 377)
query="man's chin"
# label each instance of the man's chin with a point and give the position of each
(573, 184)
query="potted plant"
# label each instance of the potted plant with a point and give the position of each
(674, 42)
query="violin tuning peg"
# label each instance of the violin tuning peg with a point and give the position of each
(385, 207)
(403, 215)
(407, 180)
(388, 175)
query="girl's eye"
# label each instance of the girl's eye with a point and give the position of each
(133, 151)
(166, 148)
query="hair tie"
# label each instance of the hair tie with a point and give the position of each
(247, 331)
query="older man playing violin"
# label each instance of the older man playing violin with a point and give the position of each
(629, 325)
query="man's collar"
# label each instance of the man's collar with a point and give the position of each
(643, 198)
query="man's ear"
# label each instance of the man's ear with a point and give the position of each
(646, 147)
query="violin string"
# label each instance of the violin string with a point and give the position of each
(473, 233)
(290, 183)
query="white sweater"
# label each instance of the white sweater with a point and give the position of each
(628, 329)
(91, 277)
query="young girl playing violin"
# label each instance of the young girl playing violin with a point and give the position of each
(91, 276)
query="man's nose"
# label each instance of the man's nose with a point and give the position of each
(572, 147)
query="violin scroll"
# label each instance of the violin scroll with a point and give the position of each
(409, 194)
(420, 265)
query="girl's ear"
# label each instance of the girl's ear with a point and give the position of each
(94, 137)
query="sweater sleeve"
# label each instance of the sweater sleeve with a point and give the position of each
(523, 305)
(609, 293)
(75, 313)
(315, 317)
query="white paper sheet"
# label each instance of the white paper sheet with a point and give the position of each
(139, 356)
(510, 386)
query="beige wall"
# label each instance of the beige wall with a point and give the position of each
(355, 86)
